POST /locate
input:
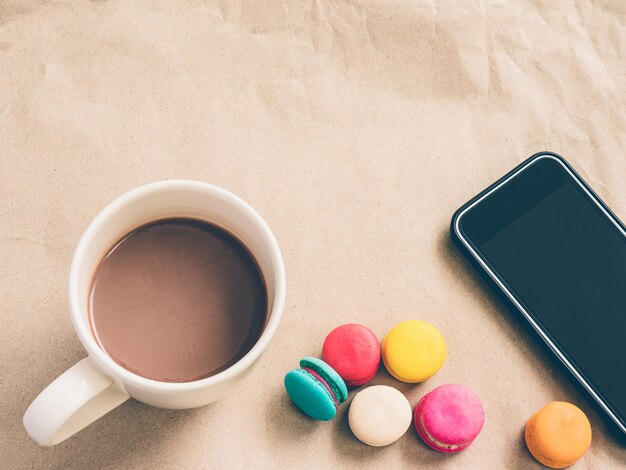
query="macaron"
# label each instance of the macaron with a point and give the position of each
(379, 415)
(558, 434)
(316, 388)
(449, 418)
(353, 351)
(413, 351)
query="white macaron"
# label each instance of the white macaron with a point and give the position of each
(379, 415)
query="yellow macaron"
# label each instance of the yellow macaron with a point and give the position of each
(558, 434)
(413, 351)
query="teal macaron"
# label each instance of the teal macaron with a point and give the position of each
(316, 388)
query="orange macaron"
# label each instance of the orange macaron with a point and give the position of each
(558, 434)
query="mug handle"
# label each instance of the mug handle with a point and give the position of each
(77, 398)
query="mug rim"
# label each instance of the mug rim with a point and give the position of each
(80, 318)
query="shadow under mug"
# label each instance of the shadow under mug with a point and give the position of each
(97, 384)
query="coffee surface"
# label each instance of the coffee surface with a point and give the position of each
(178, 300)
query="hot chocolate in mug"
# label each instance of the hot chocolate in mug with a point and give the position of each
(97, 384)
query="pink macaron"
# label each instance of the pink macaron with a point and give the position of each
(353, 351)
(449, 418)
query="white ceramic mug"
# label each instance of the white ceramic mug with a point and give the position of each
(97, 384)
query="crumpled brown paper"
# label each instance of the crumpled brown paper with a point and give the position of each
(356, 129)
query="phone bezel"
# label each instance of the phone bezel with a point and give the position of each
(469, 248)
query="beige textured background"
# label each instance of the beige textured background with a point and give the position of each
(356, 129)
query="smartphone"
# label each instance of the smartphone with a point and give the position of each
(557, 253)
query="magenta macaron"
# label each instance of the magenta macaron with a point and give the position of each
(449, 418)
(353, 351)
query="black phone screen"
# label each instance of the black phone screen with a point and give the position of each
(564, 260)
